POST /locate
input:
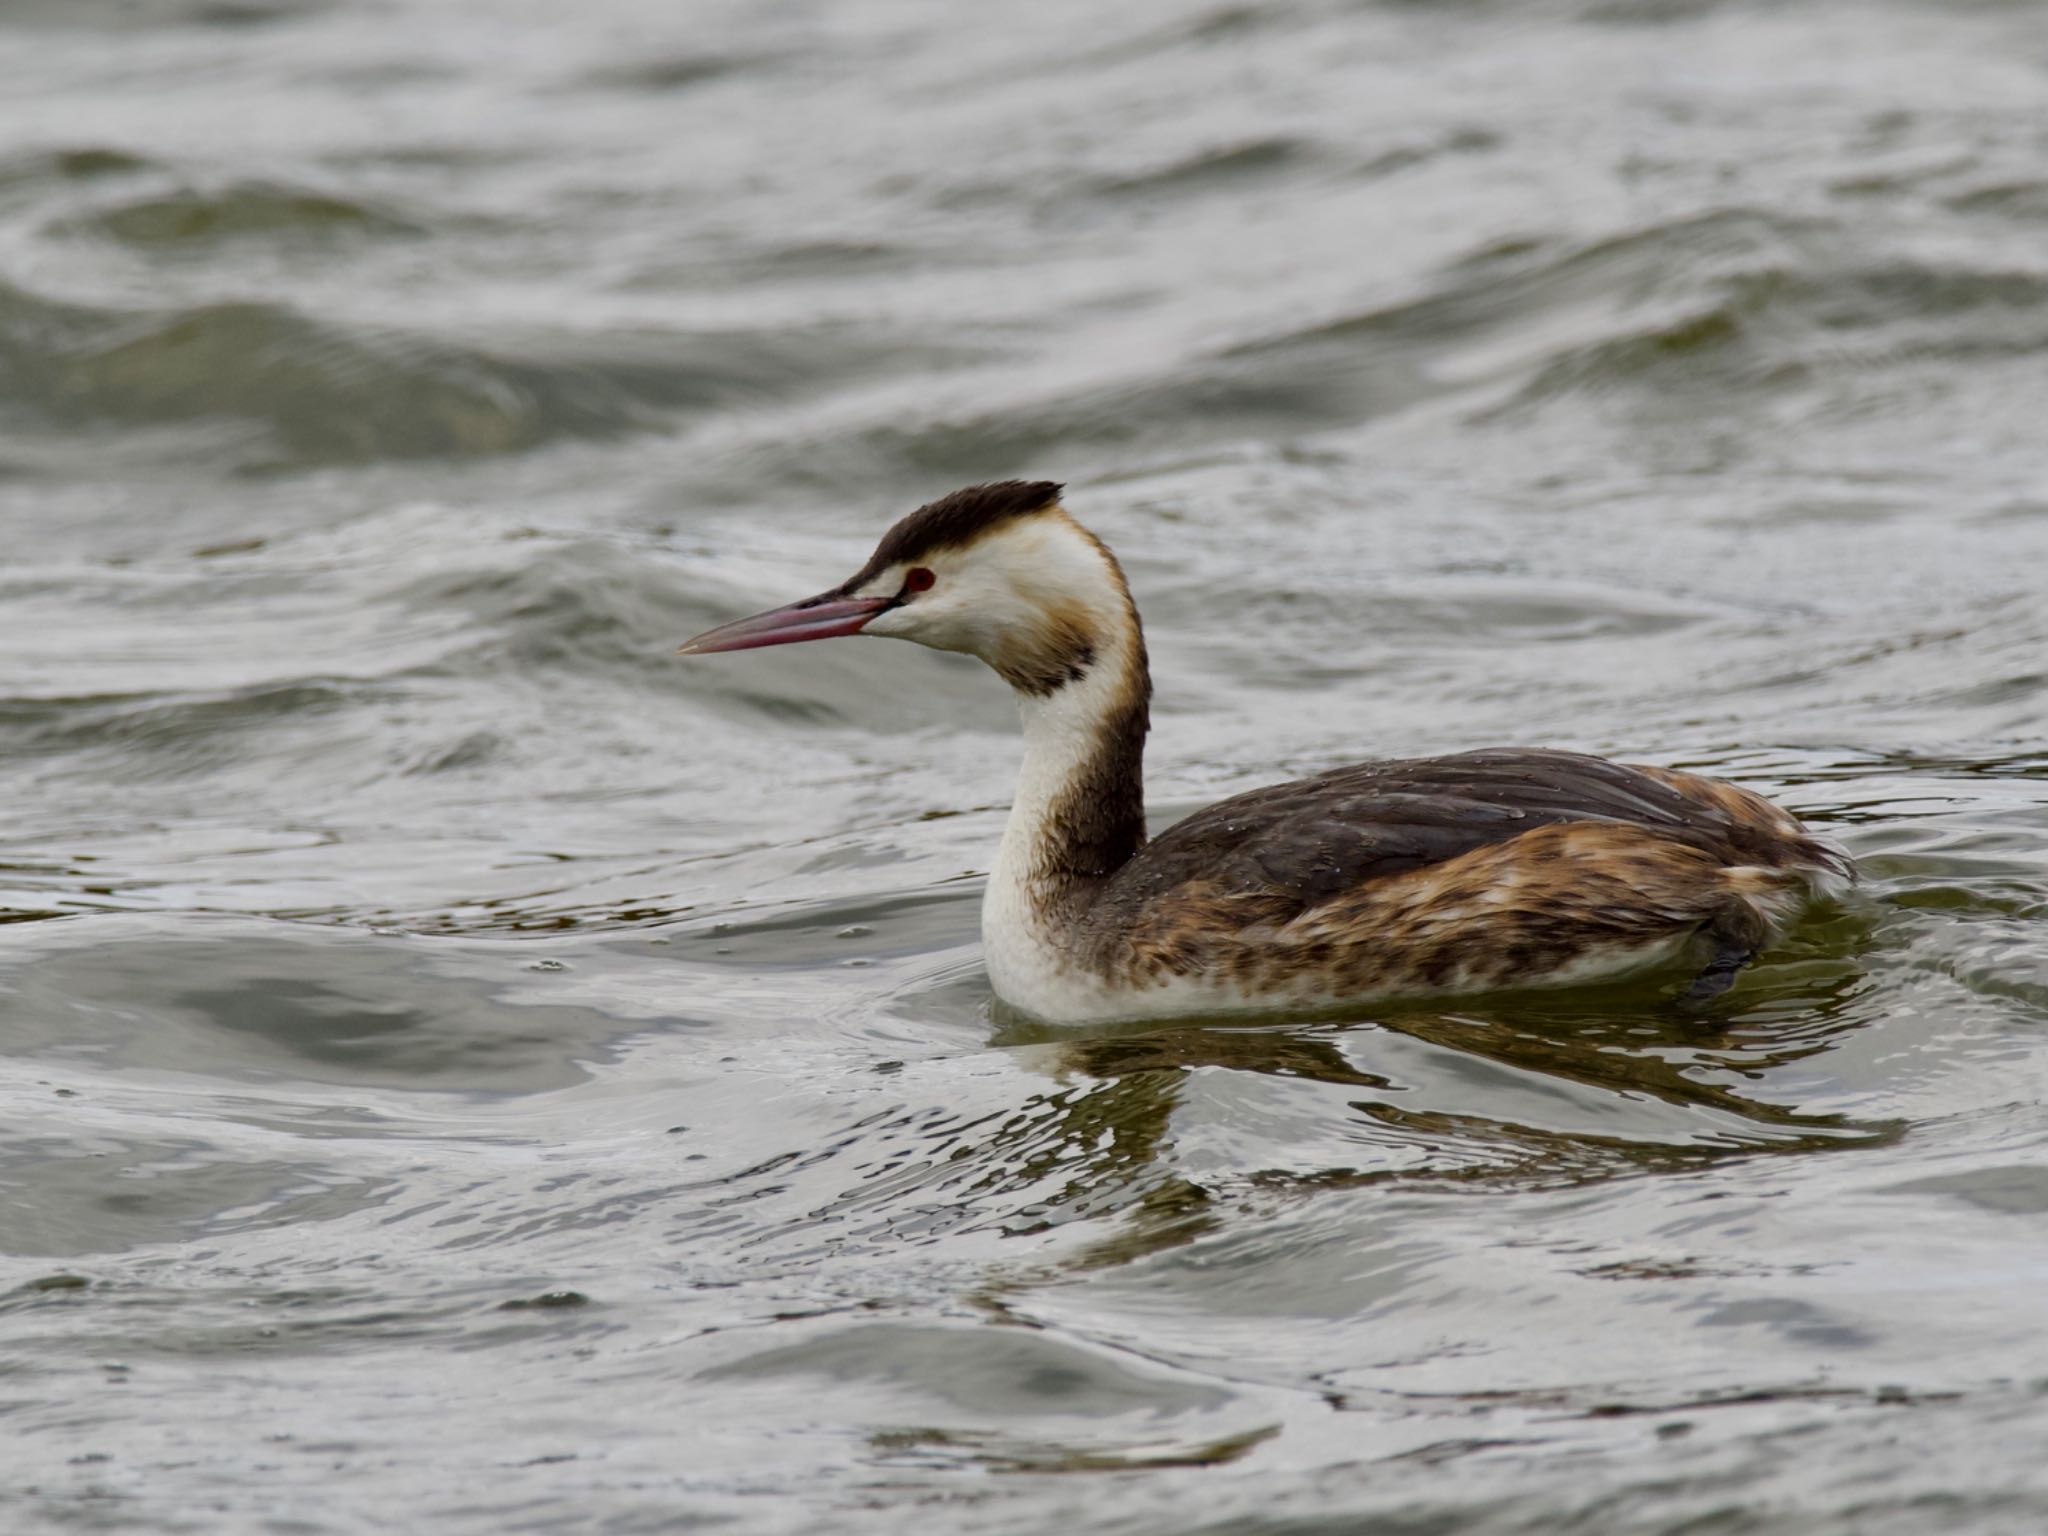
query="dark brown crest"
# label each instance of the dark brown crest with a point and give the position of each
(955, 520)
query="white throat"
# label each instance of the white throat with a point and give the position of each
(1031, 909)
(1044, 603)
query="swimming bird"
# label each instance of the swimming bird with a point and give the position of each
(1474, 872)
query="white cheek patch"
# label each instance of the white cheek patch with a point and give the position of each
(1014, 592)
(950, 617)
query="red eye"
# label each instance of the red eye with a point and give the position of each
(918, 580)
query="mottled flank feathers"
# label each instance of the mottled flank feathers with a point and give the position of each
(1479, 870)
(1307, 840)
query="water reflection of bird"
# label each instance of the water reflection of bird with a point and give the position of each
(1472, 872)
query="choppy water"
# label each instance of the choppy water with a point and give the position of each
(466, 1069)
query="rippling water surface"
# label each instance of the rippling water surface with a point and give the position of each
(464, 1068)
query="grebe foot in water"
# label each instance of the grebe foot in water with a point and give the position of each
(1735, 939)
(1473, 872)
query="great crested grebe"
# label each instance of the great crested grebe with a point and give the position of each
(1478, 871)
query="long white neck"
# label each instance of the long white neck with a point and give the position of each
(1078, 815)
(1044, 603)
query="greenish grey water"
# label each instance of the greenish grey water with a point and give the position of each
(463, 1068)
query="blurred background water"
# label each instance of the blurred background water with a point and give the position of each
(463, 1068)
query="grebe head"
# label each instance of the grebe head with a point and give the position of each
(997, 571)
